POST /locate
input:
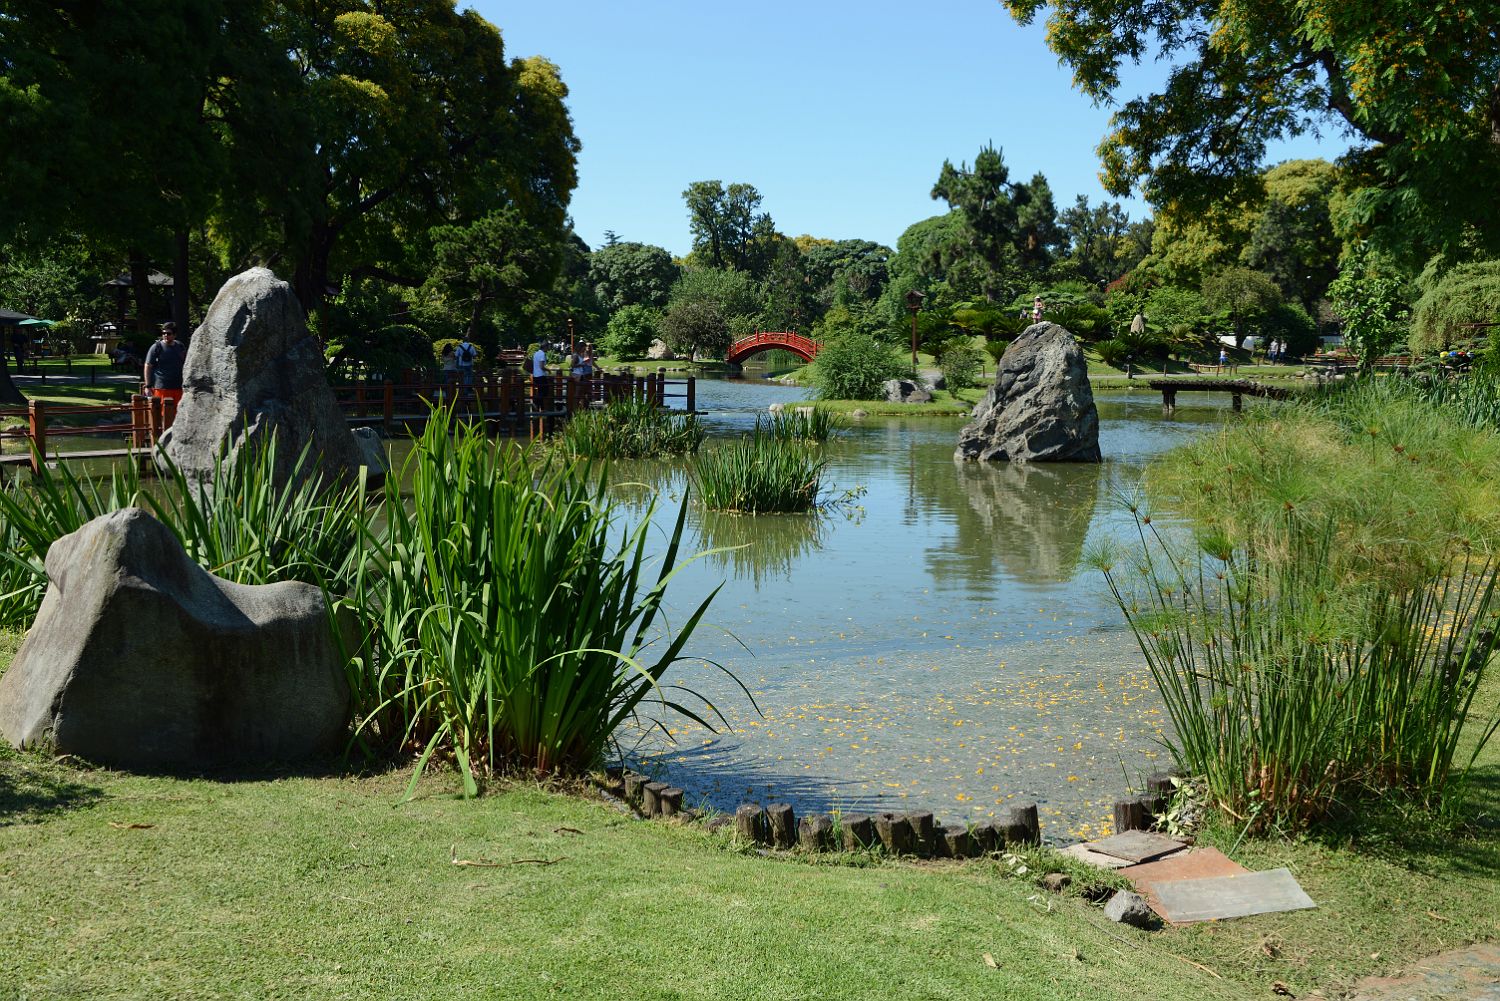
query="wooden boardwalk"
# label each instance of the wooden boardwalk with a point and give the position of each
(1237, 388)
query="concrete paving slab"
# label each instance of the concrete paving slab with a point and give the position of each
(1239, 896)
(1136, 846)
(1081, 853)
(1197, 863)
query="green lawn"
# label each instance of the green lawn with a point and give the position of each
(325, 886)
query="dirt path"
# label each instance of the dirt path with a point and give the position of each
(1471, 974)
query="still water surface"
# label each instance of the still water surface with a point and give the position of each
(939, 646)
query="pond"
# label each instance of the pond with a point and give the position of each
(938, 645)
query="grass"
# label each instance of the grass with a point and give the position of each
(328, 885)
(811, 425)
(944, 404)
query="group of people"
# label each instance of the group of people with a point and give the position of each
(1276, 352)
(458, 362)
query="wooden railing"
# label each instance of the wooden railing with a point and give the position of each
(139, 422)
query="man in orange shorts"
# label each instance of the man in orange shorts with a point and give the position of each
(164, 360)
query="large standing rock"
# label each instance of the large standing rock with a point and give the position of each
(1040, 408)
(140, 658)
(253, 369)
(658, 351)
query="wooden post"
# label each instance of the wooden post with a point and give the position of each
(168, 413)
(1131, 815)
(140, 418)
(388, 407)
(1168, 401)
(651, 797)
(661, 387)
(1236, 402)
(36, 429)
(783, 824)
(984, 838)
(692, 394)
(815, 834)
(1022, 825)
(153, 421)
(633, 783)
(750, 823)
(923, 829)
(671, 802)
(895, 833)
(859, 832)
(954, 842)
(1159, 790)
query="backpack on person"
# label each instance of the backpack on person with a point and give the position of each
(465, 355)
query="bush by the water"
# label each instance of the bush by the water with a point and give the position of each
(630, 331)
(1324, 643)
(962, 364)
(807, 424)
(631, 428)
(759, 474)
(855, 366)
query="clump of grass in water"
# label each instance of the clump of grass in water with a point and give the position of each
(804, 424)
(759, 474)
(510, 619)
(630, 428)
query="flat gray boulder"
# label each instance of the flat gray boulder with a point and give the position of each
(252, 371)
(1040, 408)
(140, 658)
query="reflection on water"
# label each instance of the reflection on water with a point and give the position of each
(943, 648)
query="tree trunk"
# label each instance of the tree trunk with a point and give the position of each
(180, 285)
(310, 280)
(8, 391)
(140, 284)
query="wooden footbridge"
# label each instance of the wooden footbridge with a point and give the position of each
(801, 345)
(1237, 388)
(505, 402)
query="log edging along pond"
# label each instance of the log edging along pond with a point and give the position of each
(909, 833)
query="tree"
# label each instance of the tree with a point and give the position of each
(1418, 86)
(631, 274)
(728, 229)
(1097, 240)
(1367, 296)
(864, 267)
(1453, 298)
(1293, 238)
(1006, 227)
(500, 260)
(630, 331)
(708, 308)
(1243, 294)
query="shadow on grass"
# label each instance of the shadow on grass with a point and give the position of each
(30, 792)
(1462, 842)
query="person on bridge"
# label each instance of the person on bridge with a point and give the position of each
(162, 377)
(539, 374)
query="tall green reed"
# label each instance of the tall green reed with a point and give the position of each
(804, 424)
(511, 619)
(759, 474)
(630, 428)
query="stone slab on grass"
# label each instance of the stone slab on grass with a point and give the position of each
(1198, 863)
(1219, 897)
(1082, 853)
(1136, 846)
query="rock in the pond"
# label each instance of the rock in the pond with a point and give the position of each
(140, 658)
(372, 454)
(254, 371)
(658, 351)
(776, 408)
(859, 413)
(1130, 909)
(906, 391)
(1040, 408)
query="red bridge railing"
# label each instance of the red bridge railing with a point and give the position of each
(767, 340)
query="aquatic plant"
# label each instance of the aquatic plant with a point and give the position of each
(759, 474)
(630, 428)
(806, 424)
(510, 618)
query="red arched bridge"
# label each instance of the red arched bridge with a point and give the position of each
(803, 347)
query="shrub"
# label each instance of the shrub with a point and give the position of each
(1115, 352)
(1084, 321)
(759, 474)
(630, 332)
(510, 617)
(855, 367)
(996, 349)
(630, 428)
(962, 364)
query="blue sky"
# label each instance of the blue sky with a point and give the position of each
(840, 113)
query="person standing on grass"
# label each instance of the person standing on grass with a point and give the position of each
(163, 373)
